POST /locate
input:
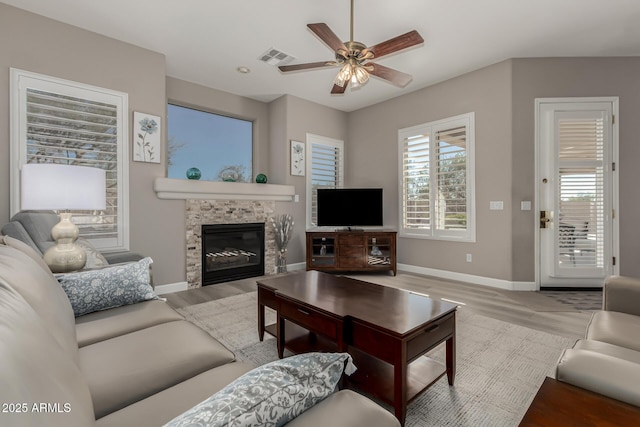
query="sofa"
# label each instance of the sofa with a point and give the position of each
(34, 229)
(140, 364)
(607, 360)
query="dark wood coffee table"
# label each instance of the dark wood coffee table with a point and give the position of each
(386, 330)
(561, 404)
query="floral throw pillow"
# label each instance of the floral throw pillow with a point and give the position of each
(109, 287)
(272, 394)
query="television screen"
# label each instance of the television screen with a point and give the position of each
(345, 207)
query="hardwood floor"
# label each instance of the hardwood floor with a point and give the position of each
(530, 309)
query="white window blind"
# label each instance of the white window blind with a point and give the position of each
(436, 173)
(63, 123)
(581, 184)
(324, 170)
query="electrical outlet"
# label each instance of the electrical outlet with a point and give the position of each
(469, 258)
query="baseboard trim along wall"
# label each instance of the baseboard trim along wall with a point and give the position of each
(170, 288)
(442, 274)
(469, 278)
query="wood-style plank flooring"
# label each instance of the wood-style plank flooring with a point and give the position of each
(529, 309)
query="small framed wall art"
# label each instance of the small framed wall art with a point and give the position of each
(297, 158)
(146, 138)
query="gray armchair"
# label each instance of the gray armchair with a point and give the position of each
(34, 229)
(607, 361)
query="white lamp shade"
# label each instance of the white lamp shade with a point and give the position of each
(47, 186)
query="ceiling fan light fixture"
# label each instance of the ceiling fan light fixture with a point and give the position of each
(343, 75)
(360, 74)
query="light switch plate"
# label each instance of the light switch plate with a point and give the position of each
(496, 205)
(525, 205)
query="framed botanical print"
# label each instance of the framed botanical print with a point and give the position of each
(297, 158)
(146, 138)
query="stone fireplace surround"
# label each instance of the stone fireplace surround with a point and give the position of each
(199, 212)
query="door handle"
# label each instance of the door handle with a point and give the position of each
(544, 219)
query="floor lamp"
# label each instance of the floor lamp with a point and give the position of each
(47, 186)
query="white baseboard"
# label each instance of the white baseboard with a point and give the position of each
(443, 274)
(297, 266)
(469, 278)
(170, 288)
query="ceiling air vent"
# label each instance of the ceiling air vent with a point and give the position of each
(275, 57)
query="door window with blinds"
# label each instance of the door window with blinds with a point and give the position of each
(63, 122)
(581, 204)
(437, 179)
(325, 161)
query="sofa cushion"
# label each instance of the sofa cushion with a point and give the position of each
(131, 367)
(34, 370)
(104, 288)
(162, 407)
(27, 250)
(272, 394)
(609, 349)
(600, 373)
(40, 289)
(615, 328)
(102, 325)
(345, 408)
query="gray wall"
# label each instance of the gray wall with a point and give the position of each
(373, 161)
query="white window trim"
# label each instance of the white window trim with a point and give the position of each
(317, 139)
(20, 80)
(469, 235)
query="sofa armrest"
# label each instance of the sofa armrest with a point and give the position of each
(621, 294)
(600, 373)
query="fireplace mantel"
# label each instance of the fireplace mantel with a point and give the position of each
(182, 189)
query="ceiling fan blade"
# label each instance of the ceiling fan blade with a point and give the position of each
(394, 76)
(323, 31)
(395, 44)
(337, 90)
(307, 66)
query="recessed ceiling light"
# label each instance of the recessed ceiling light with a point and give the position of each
(243, 70)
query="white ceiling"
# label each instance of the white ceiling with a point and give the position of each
(204, 41)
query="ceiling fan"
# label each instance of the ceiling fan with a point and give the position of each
(355, 58)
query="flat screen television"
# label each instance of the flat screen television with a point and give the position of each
(349, 207)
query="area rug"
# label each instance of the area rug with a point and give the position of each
(499, 365)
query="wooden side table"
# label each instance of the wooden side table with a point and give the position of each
(561, 404)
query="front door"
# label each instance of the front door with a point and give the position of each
(577, 191)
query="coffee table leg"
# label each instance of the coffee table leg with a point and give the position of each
(400, 387)
(451, 356)
(260, 321)
(280, 337)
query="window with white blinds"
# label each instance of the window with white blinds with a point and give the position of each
(581, 198)
(324, 170)
(436, 175)
(62, 122)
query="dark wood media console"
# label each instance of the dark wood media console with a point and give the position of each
(335, 251)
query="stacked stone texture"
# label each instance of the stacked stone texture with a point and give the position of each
(201, 212)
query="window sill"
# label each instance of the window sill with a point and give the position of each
(183, 189)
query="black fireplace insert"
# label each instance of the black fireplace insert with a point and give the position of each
(232, 252)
